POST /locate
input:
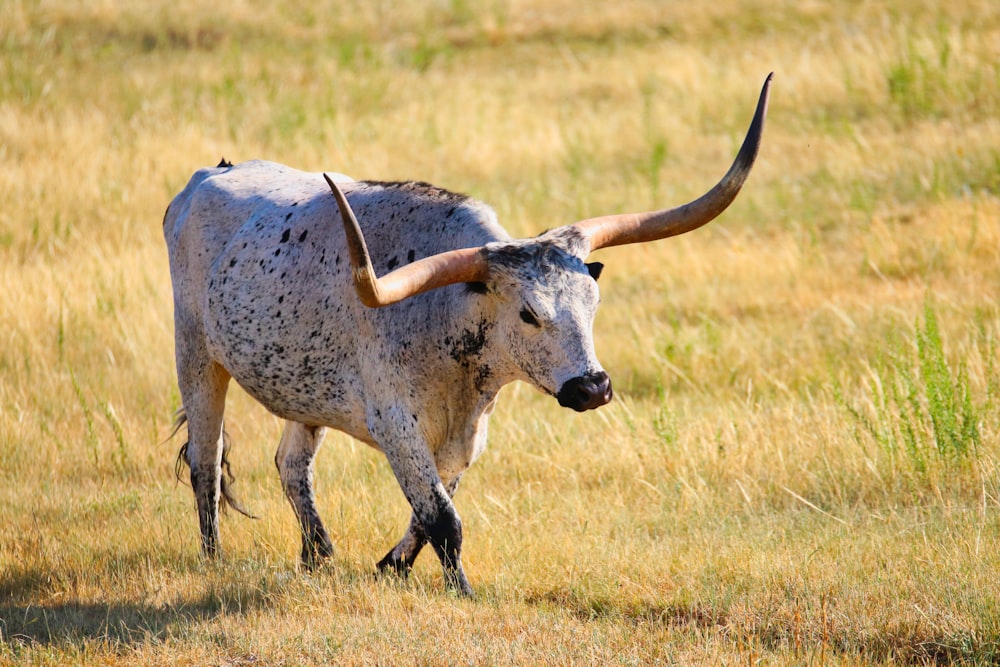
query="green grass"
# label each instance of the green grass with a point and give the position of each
(919, 409)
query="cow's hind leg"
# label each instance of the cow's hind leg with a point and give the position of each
(204, 397)
(295, 460)
(401, 557)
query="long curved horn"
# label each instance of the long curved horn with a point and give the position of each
(447, 268)
(626, 228)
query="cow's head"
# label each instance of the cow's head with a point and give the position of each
(544, 298)
(546, 294)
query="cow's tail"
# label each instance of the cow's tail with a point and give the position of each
(227, 475)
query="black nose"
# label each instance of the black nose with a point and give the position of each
(586, 392)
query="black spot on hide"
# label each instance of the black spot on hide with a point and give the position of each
(287, 216)
(302, 236)
(393, 263)
(471, 343)
(286, 235)
(410, 255)
(477, 287)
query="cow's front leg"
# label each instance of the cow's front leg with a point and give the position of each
(443, 528)
(296, 459)
(415, 470)
(401, 557)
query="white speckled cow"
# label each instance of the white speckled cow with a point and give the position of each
(270, 291)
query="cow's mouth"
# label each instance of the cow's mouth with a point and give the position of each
(586, 392)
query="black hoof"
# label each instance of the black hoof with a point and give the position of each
(393, 566)
(314, 554)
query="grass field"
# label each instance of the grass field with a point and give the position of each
(801, 465)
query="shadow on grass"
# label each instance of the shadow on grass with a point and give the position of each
(37, 605)
(897, 643)
(116, 623)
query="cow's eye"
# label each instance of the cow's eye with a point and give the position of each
(529, 318)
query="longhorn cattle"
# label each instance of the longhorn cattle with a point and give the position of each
(270, 291)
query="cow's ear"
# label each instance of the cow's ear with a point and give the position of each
(595, 269)
(477, 287)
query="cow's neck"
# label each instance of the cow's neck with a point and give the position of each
(470, 343)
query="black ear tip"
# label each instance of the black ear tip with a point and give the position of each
(595, 269)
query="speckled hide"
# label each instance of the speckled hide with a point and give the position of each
(263, 294)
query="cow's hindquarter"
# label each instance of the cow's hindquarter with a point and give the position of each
(192, 242)
(279, 318)
(283, 319)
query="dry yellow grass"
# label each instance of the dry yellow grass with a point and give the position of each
(775, 480)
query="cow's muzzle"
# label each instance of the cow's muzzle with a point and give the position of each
(586, 392)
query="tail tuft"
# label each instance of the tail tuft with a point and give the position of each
(228, 497)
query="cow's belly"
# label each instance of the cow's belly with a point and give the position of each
(303, 388)
(317, 398)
